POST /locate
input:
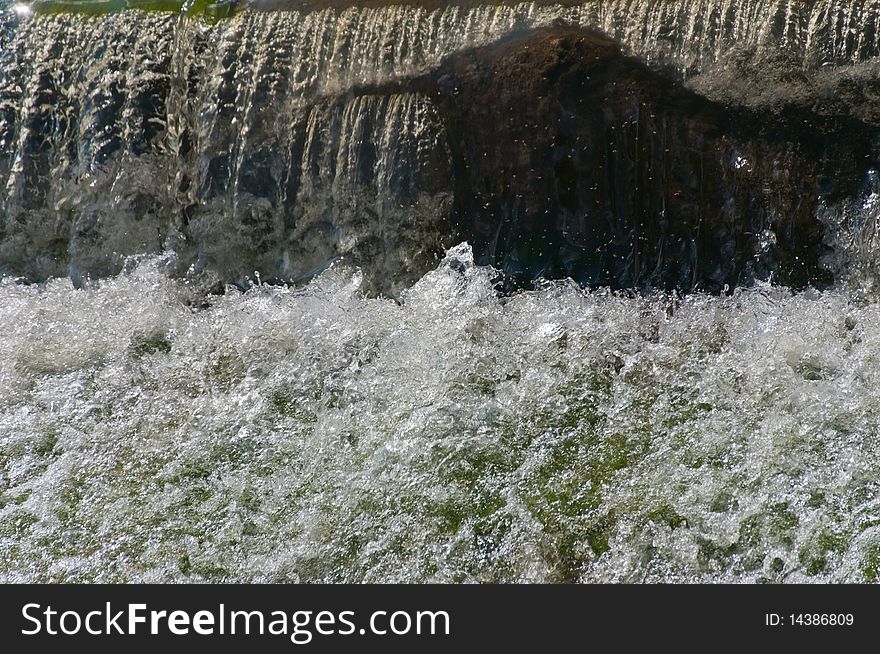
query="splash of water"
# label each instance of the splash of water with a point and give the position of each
(318, 435)
(148, 433)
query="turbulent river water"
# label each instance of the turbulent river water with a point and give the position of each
(316, 435)
(150, 431)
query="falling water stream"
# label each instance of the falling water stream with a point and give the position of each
(370, 421)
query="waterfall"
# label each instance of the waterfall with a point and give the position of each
(690, 35)
(141, 132)
(351, 172)
(390, 415)
(84, 132)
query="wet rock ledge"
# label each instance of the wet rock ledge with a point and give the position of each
(569, 158)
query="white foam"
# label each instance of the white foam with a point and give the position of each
(313, 434)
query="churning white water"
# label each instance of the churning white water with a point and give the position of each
(315, 434)
(149, 432)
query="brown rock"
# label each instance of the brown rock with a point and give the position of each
(571, 159)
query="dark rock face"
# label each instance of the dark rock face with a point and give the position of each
(571, 159)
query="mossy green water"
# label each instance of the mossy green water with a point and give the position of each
(209, 9)
(317, 435)
(225, 8)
